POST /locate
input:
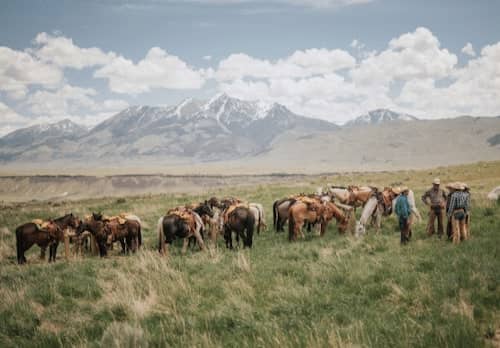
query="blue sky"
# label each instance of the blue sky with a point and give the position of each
(332, 59)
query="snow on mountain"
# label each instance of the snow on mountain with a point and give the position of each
(40, 133)
(221, 128)
(380, 116)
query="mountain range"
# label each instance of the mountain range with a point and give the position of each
(226, 129)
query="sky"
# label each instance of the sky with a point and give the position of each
(330, 59)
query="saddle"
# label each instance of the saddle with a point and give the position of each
(186, 215)
(120, 218)
(311, 203)
(42, 224)
(232, 208)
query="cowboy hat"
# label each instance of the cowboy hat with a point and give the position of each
(436, 181)
(404, 188)
(396, 190)
(455, 186)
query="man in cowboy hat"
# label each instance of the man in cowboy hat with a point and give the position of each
(458, 210)
(435, 198)
(403, 212)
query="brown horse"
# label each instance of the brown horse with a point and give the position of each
(128, 234)
(64, 222)
(30, 233)
(179, 224)
(95, 226)
(322, 212)
(241, 221)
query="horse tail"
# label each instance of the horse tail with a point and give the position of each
(161, 234)
(250, 222)
(139, 236)
(259, 219)
(275, 215)
(19, 241)
(291, 225)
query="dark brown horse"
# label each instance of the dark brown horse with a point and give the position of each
(96, 228)
(64, 222)
(30, 233)
(241, 221)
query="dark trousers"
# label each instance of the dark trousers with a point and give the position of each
(405, 230)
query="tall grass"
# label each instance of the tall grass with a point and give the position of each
(333, 291)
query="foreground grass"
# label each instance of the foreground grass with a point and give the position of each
(331, 291)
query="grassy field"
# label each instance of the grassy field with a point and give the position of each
(332, 291)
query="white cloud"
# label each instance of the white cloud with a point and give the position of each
(300, 64)
(415, 55)
(469, 50)
(19, 70)
(62, 52)
(75, 103)
(207, 57)
(475, 89)
(10, 119)
(157, 70)
(413, 74)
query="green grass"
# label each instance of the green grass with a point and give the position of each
(330, 291)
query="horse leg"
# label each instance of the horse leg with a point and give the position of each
(42, 252)
(185, 245)
(54, 251)
(128, 239)
(122, 243)
(197, 235)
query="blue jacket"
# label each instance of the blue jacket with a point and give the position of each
(403, 207)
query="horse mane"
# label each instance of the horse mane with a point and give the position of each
(62, 217)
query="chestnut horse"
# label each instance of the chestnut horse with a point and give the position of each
(128, 234)
(322, 212)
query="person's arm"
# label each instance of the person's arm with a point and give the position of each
(424, 197)
(451, 206)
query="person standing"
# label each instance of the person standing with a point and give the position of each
(458, 210)
(435, 198)
(403, 212)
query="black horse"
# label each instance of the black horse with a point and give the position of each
(170, 227)
(241, 221)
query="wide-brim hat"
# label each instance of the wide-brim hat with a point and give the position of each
(456, 186)
(436, 181)
(396, 190)
(404, 188)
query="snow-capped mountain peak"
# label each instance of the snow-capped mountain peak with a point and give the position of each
(380, 116)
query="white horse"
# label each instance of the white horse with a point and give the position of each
(369, 210)
(257, 210)
(373, 209)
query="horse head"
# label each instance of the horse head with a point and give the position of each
(206, 209)
(97, 216)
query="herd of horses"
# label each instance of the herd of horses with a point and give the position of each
(229, 217)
